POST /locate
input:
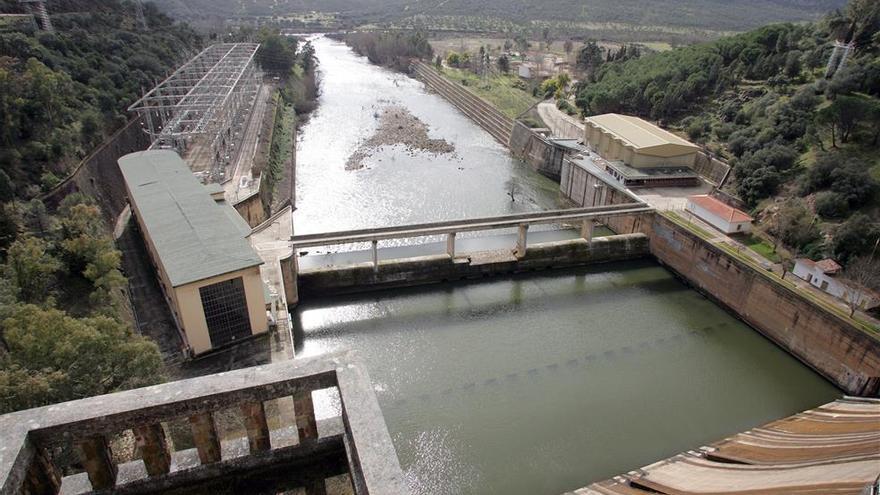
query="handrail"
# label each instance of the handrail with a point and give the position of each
(469, 225)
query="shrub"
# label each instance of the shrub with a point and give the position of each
(831, 205)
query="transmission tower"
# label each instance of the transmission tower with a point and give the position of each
(39, 10)
(838, 57)
(139, 13)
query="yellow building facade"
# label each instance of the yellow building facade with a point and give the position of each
(207, 270)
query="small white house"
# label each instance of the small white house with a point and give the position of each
(823, 275)
(723, 217)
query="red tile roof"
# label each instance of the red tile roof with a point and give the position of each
(828, 266)
(720, 209)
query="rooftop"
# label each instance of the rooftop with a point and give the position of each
(827, 265)
(720, 209)
(195, 236)
(638, 133)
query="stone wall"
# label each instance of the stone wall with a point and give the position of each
(828, 343)
(441, 268)
(98, 174)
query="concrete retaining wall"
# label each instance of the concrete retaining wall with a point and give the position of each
(532, 148)
(253, 209)
(712, 169)
(841, 352)
(98, 175)
(440, 268)
(480, 111)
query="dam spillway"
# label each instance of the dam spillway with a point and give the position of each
(532, 384)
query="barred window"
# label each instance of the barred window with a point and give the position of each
(226, 311)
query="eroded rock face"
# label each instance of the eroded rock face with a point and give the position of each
(398, 126)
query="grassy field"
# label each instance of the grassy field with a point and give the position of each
(761, 247)
(499, 90)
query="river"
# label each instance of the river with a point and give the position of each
(526, 385)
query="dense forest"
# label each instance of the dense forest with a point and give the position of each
(65, 325)
(717, 15)
(803, 142)
(62, 93)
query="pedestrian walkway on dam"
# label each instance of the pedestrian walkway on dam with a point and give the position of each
(833, 449)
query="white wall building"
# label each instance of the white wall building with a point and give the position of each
(823, 275)
(723, 217)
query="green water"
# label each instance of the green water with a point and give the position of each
(542, 384)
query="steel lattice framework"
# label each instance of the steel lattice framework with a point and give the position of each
(203, 106)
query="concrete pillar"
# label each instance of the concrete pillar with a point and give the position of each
(304, 410)
(42, 477)
(522, 240)
(450, 244)
(153, 446)
(205, 437)
(587, 230)
(257, 429)
(315, 487)
(290, 268)
(375, 255)
(98, 462)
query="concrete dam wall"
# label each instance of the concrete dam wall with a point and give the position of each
(423, 270)
(477, 109)
(534, 149)
(98, 174)
(843, 353)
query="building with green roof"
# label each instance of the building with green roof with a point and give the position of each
(198, 243)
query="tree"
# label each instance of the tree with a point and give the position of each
(503, 64)
(30, 268)
(568, 46)
(794, 225)
(862, 276)
(855, 237)
(841, 117)
(507, 46)
(590, 56)
(52, 357)
(277, 54)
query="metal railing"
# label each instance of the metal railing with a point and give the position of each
(29, 440)
(586, 218)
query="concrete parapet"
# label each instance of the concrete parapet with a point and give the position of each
(442, 268)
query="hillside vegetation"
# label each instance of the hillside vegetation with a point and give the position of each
(506, 15)
(65, 322)
(63, 93)
(804, 147)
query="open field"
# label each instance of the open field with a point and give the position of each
(499, 90)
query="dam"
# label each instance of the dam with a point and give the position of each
(535, 383)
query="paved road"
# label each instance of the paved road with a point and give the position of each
(560, 123)
(244, 162)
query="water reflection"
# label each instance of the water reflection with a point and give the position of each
(539, 384)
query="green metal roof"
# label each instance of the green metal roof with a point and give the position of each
(195, 237)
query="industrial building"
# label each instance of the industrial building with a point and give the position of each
(639, 153)
(208, 271)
